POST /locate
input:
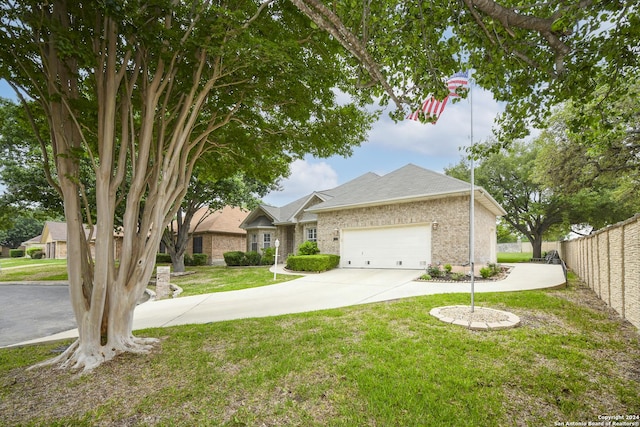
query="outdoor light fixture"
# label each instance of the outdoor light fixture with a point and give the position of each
(434, 225)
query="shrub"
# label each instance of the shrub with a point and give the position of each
(268, 256)
(425, 277)
(434, 271)
(199, 259)
(495, 269)
(252, 258)
(35, 253)
(457, 276)
(163, 259)
(320, 262)
(447, 268)
(485, 272)
(16, 253)
(233, 258)
(308, 248)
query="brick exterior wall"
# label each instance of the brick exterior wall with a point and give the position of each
(608, 261)
(450, 241)
(216, 244)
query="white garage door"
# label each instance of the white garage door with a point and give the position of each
(386, 247)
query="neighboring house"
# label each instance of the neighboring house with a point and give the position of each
(409, 218)
(217, 233)
(54, 240)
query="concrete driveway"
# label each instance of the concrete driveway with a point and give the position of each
(336, 288)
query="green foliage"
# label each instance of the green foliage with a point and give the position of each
(447, 268)
(16, 253)
(590, 152)
(490, 270)
(508, 175)
(195, 259)
(485, 272)
(434, 271)
(233, 258)
(239, 258)
(22, 169)
(425, 277)
(308, 248)
(268, 256)
(23, 228)
(252, 258)
(458, 276)
(317, 263)
(35, 252)
(163, 258)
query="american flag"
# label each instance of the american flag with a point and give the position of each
(433, 108)
(458, 82)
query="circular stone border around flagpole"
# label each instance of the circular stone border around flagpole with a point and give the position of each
(481, 319)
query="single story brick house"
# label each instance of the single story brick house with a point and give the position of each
(217, 233)
(408, 218)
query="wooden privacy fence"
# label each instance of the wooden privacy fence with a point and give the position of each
(609, 262)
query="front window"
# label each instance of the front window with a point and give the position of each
(254, 242)
(197, 245)
(312, 234)
(266, 241)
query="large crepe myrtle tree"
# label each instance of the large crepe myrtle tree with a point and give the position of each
(139, 90)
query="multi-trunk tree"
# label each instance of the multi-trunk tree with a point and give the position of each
(136, 91)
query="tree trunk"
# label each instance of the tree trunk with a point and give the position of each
(177, 261)
(536, 243)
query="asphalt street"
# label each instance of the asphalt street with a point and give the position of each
(29, 311)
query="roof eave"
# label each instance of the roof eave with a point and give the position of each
(492, 205)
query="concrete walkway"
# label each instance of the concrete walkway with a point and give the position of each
(333, 289)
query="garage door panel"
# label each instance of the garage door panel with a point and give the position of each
(386, 247)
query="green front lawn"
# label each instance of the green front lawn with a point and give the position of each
(221, 279)
(383, 364)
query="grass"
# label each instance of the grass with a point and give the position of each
(222, 279)
(511, 257)
(384, 364)
(27, 269)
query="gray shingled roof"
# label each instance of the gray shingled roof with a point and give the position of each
(410, 182)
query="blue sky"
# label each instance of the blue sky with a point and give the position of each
(389, 146)
(392, 145)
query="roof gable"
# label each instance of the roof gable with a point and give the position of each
(225, 220)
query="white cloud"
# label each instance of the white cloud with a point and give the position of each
(306, 177)
(444, 139)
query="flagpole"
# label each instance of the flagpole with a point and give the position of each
(471, 208)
